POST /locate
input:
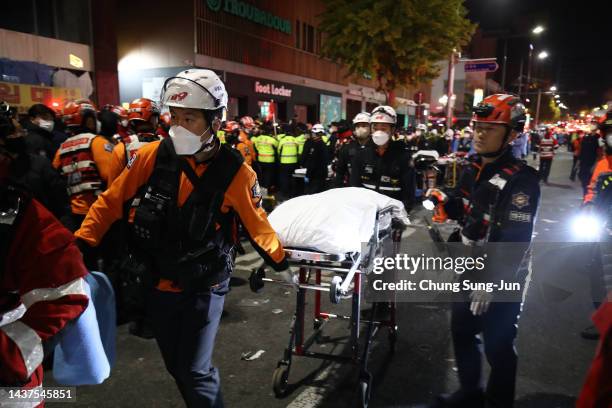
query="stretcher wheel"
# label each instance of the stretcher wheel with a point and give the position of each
(256, 282)
(334, 290)
(280, 379)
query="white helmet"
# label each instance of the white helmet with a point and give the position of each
(422, 126)
(467, 129)
(195, 88)
(384, 114)
(318, 128)
(362, 117)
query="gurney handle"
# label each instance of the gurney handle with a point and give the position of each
(323, 287)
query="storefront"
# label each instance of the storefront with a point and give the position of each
(264, 98)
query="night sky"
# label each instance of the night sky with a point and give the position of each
(578, 38)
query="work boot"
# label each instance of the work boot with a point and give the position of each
(460, 399)
(590, 333)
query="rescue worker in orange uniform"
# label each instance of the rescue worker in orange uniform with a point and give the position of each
(185, 195)
(83, 159)
(247, 124)
(165, 121)
(143, 117)
(233, 138)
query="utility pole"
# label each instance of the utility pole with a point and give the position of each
(537, 117)
(451, 81)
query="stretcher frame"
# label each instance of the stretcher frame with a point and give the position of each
(349, 269)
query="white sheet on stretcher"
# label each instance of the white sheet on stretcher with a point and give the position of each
(336, 221)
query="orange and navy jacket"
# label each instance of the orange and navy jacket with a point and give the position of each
(244, 138)
(243, 196)
(85, 149)
(41, 290)
(603, 167)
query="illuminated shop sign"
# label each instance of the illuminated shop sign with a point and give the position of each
(272, 89)
(250, 12)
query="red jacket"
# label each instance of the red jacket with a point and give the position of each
(597, 389)
(41, 290)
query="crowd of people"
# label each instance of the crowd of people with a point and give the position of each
(155, 194)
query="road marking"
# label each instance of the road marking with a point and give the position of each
(313, 396)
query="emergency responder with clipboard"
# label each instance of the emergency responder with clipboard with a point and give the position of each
(184, 196)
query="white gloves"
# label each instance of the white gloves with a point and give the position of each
(481, 301)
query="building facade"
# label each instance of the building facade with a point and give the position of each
(267, 52)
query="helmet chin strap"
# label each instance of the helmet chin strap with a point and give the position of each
(502, 148)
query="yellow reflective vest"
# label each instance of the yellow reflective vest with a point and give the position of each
(266, 148)
(288, 150)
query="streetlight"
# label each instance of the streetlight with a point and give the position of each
(553, 88)
(537, 30)
(543, 55)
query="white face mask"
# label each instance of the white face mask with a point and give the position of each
(47, 125)
(362, 132)
(186, 142)
(98, 127)
(124, 123)
(609, 140)
(380, 137)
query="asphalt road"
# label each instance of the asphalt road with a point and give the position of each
(552, 363)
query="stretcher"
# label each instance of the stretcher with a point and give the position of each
(347, 282)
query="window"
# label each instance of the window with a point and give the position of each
(310, 39)
(305, 35)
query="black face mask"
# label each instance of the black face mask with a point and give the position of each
(16, 145)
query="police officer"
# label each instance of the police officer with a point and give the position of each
(360, 139)
(266, 145)
(495, 200)
(185, 196)
(386, 166)
(288, 158)
(315, 159)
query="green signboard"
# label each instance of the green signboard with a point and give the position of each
(251, 13)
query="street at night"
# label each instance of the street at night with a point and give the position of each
(305, 204)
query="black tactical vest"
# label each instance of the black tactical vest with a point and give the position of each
(184, 244)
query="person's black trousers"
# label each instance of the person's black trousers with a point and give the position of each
(498, 328)
(286, 180)
(585, 172)
(185, 326)
(268, 174)
(574, 169)
(545, 165)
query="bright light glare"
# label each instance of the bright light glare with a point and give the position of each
(587, 227)
(553, 88)
(543, 55)
(538, 29)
